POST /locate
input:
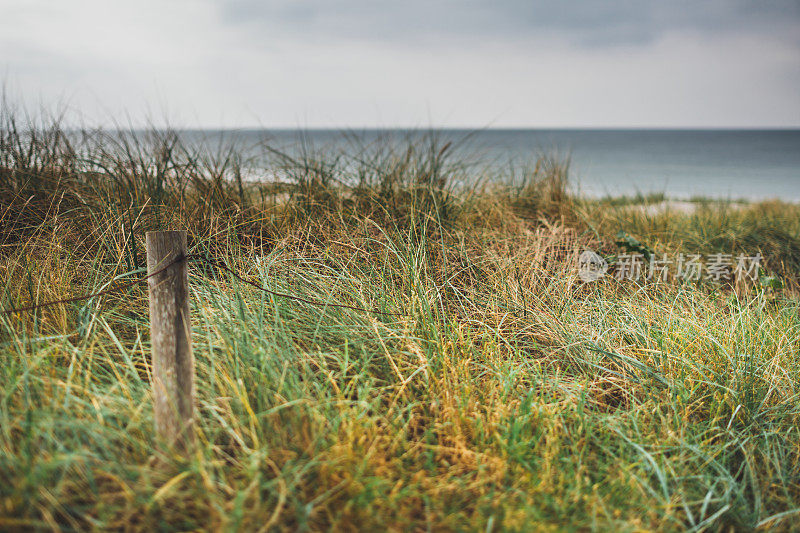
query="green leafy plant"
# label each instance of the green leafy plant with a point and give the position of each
(633, 245)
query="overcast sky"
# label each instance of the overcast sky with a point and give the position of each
(356, 63)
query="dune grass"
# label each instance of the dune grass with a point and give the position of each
(501, 393)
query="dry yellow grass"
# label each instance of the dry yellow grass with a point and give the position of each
(508, 395)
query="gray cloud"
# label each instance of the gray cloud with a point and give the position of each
(438, 62)
(583, 22)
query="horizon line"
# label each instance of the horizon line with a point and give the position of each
(439, 128)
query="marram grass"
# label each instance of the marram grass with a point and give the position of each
(503, 394)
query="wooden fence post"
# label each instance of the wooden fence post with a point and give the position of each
(171, 338)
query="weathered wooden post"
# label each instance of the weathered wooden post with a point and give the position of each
(171, 338)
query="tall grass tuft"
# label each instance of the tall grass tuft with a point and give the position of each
(482, 386)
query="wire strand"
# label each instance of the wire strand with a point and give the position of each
(289, 296)
(206, 260)
(94, 294)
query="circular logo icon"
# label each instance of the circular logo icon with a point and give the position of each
(591, 266)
